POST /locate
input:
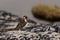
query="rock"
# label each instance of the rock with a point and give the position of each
(46, 12)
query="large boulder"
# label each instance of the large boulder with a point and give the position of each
(51, 13)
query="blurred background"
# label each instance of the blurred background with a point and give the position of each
(23, 7)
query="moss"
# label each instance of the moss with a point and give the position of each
(50, 13)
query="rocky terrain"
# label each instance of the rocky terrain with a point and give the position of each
(13, 28)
